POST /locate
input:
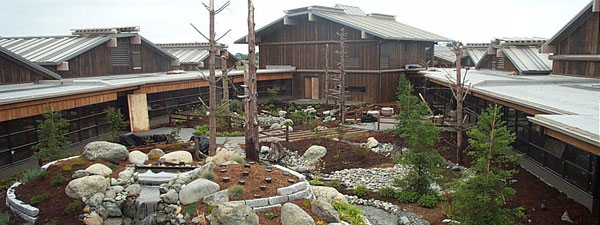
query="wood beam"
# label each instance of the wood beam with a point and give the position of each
(289, 21)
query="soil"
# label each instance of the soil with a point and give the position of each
(341, 155)
(381, 137)
(257, 175)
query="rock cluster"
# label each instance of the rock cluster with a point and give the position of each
(265, 120)
(372, 178)
(402, 217)
(103, 150)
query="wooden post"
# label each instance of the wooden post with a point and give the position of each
(225, 80)
(379, 121)
(342, 86)
(460, 131)
(212, 109)
(251, 95)
(287, 133)
(326, 89)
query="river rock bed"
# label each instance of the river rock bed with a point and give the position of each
(372, 178)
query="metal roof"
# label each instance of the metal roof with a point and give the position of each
(379, 25)
(579, 19)
(527, 59)
(188, 55)
(444, 52)
(32, 66)
(476, 54)
(353, 10)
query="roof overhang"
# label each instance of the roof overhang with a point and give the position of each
(591, 142)
(579, 19)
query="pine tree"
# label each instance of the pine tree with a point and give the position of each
(116, 122)
(51, 135)
(423, 161)
(480, 199)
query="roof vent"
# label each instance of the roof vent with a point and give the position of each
(108, 30)
(352, 10)
(382, 16)
(190, 45)
(314, 8)
(478, 45)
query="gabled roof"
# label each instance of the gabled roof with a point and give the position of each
(579, 19)
(379, 25)
(528, 59)
(53, 50)
(476, 54)
(444, 52)
(26, 63)
(191, 53)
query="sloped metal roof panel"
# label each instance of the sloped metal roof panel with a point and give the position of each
(476, 54)
(188, 55)
(39, 69)
(444, 52)
(51, 50)
(527, 59)
(351, 9)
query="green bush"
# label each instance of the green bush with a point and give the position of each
(335, 184)
(361, 190)
(408, 196)
(270, 215)
(32, 174)
(201, 130)
(50, 132)
(209, 209)
(239, 159)
(4, 218)
(35, 200)
(58, 180)
(387, 192)
(231, 134)
(52, 222)
(66, 167)
(79, 161)
(315, 182)
(236, 191)
(112, 167)
(349, 213)
(427, 201)
(190, 209)
(208, 175)
(72, 207)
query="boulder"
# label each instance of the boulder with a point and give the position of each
(137, 157)
(282, 113)
(216, 198)
(155, 153)
(133, 190)
(287, 122)
(80, 174)
(234, 214)
(113, 209)
(87, 186)
(126, 174)
(207, 167)
(291, 214)
(177, 157)
(196, 190)
(104, 150)
(372, 142)
(93, 219)
(222, 157)
(324, 210)
(327, 193)
(171, 197)
(275, 126)
(314, 153)
(99, 169)
(113, 221)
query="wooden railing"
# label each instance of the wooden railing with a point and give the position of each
(190, 120)
(266, 134)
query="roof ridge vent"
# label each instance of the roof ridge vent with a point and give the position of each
(108, 30)
(477, 45)
(315, 8)
(189, 45)
(523, 42)
(382, 16)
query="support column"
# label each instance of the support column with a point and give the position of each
(138, 112)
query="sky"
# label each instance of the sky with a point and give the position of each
(168, 21)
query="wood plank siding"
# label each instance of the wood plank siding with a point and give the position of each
(492, 63)
(585, 40)
(97, 62)
(13, 72)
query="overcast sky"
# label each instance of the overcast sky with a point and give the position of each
(164, 21)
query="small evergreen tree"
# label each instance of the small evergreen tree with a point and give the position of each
(51, 135)
(423, 160)
(481, 198)
(116, 122)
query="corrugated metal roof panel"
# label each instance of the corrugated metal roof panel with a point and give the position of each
(476, 54)
(41, 70)
(51, 50)
(527, 59)
(188, 55)
(351, 9)
(444, 52)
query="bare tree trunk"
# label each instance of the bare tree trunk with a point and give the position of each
(342, 74)
(212, 109)
(326, 89)
(250, 102)
(225, 80)
(460, 131)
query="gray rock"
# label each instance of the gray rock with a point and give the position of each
(171, 197)
(87, 186)
(80, 174)
(137, 157)
(291, 214)
(133, 190)
(155, 153)
(111, 194)
(404, 220)
(216, 198)
(113, 221)
(327, 193)
(196, 190)
(314, 153)
(103, 150)
(177, 157)
(93, 219)
(275, 126)
(99, 169)
(234, 214)
(113, 209)
(207, 167)
(324, 210)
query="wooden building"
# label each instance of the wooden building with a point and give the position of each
(193, 56)
(473, 53)
(517, 55)
(443, 56)
(15, 69)
(576, 47)
(379, 49)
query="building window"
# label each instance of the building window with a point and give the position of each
(356, 89)
(352, 62)
(500, 63)
(120, 54)
(137, 60)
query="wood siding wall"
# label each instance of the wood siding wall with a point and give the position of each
(12, 72)
(97, 62)
(583, 41)
(508, 65)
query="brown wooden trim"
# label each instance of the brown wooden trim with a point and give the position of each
(62, 98)
(314, 42)
(573, 141)
(265, 77)
(173, 86)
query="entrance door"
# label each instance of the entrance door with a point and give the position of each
(311, 87)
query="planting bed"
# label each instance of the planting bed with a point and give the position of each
(257, 175)
(341, 155)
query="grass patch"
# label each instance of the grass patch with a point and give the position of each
(73, 207)
(112, 167)
(208, 175)
(79, 161)
(427, 201)
(360, 191)
(270, 215)
(190, 209)
(315, 182)
(236, 191)
(32, 174)
(58, 180)
(335, 184)
(35, 200)
(387, 192)
(4, 218)
(349, 212)
(239, 159)
(408, 197)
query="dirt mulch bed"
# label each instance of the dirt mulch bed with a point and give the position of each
(381, 137)
(257, 175)
(52, 208)
(341, 155)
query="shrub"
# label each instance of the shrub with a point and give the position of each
(387, 192)
(306, 203)
(32, 174)
(66, 167)
(209, 209)
(361, 190)
(236, 191)
(58, 180)
(427, 201)
(4, 218)
(72, 207)
(349, 213)
(51, 132)
(35, 200)
(52, 222)
(239, 159)
(208, 175)
(335, 184)
(79, 161)
(112, 167)
(270, 215)
(190, 209)
(315, 182)
(408, 196)
(202, 130)
(320, 222)
(116, 122)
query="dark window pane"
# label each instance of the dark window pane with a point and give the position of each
(5, 158)
(3, 143)
(536, 154)
(22, 153)
(578, 157)
(577, 176)
(22, 139)
(554, 164)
